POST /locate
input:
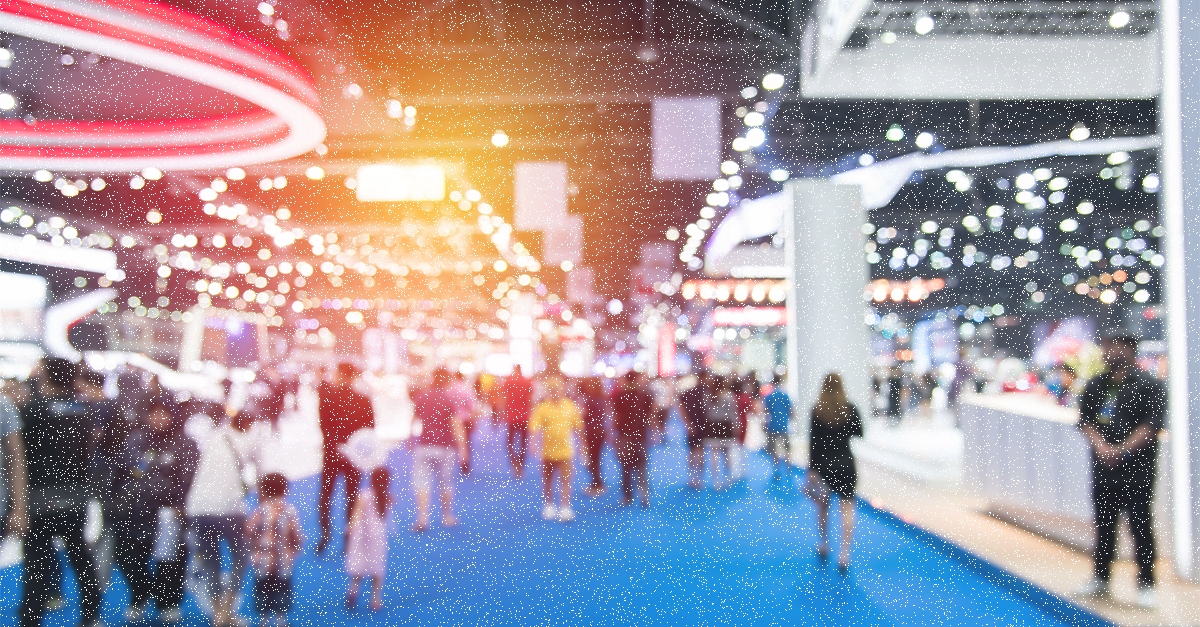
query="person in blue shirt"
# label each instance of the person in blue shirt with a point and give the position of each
(779, 415)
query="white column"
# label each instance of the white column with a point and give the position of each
(826, 311)
(1179, 108)
(520, 335)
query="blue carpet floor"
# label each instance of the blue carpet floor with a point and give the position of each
(741, 557)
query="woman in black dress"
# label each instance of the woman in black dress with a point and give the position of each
(831, 464)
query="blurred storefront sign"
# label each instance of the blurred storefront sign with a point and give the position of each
(400, 183)
(749, 316)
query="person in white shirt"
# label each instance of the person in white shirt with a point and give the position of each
(216, 507)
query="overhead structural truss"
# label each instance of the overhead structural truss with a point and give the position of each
(977, 50)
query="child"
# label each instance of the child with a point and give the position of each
(556, 418)
(273, 533)
(366, 544)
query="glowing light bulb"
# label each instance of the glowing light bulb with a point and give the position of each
(773, 81)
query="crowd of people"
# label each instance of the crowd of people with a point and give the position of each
(174, 481)
(155, 471)
(177, 485)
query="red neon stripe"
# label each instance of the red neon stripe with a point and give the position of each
(88, 25)
(164, 138)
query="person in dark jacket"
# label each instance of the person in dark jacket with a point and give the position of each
(721, 435)
(694, 407)
(1120, 414)
(56, 433)
(342, 411)
(633, 410)
(595, 432)
(105, 419)
(155, 471)
(831, 463)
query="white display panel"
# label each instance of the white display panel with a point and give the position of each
(400, 183)
(22, 306)
(686, 139)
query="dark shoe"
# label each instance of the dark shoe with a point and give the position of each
(822, 555)
(322, 545)
(136, 612)
(843, 566)
(351, 603)
(626, 501)
(171, 615)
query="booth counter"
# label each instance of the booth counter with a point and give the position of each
(1024, 454)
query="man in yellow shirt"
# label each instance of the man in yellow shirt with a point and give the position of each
(556, 418)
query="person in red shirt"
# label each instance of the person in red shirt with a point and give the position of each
(342, 410)
(517, 395)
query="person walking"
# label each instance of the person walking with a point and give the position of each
(746, 397)
(1120, 415)
(273, 533)
(342, 410)
(270, 405)
(778, 407)
(517, 395)
(216, 511)
(693, 409)
(103, 417)
(895, 394)
(633, 413)
(438, 447)
(14, 511)
(835, 420)
(156, 468)
(56, 482)
(366, 545)
(88, 387)
(466, 408)
(557, 419)
(721, 437)
(112, 424)
(595, 432)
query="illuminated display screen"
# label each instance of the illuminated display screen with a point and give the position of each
(400, 183)
(22, 307)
